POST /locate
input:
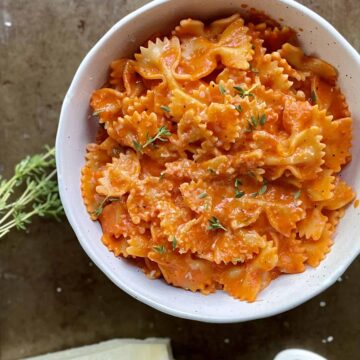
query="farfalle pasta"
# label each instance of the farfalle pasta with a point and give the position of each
(217, 160)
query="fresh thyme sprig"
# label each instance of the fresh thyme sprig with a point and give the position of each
(262, 189)
(297, 194)
(222, 89)
(98, 211)
(238, 193)
(313, 97)
(162, 131)
(242, 92)
(165, 108)
(40, 197)
(214, 224)
(160, 249)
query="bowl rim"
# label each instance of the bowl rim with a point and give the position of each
(292, 303)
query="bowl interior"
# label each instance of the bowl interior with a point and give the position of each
(75, 131)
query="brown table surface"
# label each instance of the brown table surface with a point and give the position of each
(51, 296)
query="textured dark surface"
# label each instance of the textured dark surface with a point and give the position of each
(51, 296)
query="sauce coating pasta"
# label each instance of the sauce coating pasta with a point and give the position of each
(217, 160)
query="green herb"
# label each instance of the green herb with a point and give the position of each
(251, 174)
(262, 119)
(137, 146)
(99, 209)
(238, 108)
(297, 194)
(243, 92)
(162, 131)
(313, 97)
(160, 249)
(40, 196)
(165, 108)
(222, 89)
(215, 224)
(162, 175)
(174, 243)
(238, 260)
(262, 190)
(203, 195)
(211, 171)
(238, 182)
(254, 121)
(238, 194)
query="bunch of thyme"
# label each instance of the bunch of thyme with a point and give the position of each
(31, 191)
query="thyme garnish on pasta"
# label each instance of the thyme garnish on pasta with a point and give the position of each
(35, 180)
(262, 189)
(159, 249)
(137, 146)
(243, 92)
(238, 194)
(238, 108)
(214, 224)
(313, 97)
(222, 89)
(165, 108)
(98, 211)
(163, 131)
(297, 194)
(174, 243)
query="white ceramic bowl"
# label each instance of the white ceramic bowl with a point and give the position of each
(318, 37)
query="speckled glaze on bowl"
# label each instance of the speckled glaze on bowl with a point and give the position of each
(74, 132)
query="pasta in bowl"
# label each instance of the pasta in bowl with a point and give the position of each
(217, 156)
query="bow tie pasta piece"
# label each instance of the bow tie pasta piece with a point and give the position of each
(337, 136)
(185, 271)
(291, 254)
(117, 245)
(159, 60)
(96, 160)
(343, 194)
(115, 220)
(220, 245)
(271, 74)
(316, 251)
(152, 102)
(302, 155)
(120, 176)
(225, 123)
(296, 58)
(107, 104)
(190, 27)
(245, 281)
(135, 131)
(283, 211)
(322, 187)
(181, 103)
(199, 55)
(143, 198)
(172, 214)
(275, 37)
(330, 98)
(288, 69)
(313, 225)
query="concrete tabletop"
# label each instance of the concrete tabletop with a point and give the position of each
(51, 295)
